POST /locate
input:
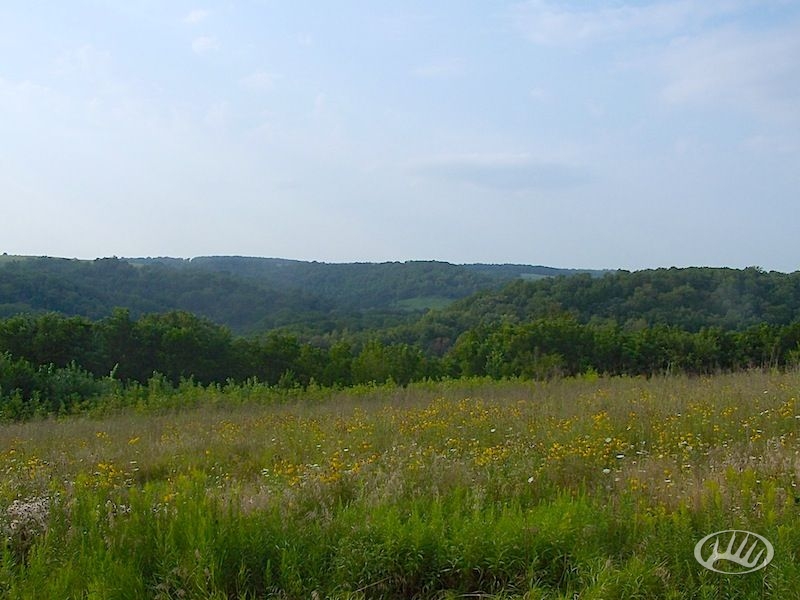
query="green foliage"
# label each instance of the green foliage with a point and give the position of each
(400, 363)
(26, 390)
(93, 289)
(361, 286)
(438, 491)
(52, 364)
(646, 322)
(689, 299)
(249, 295)
(424, 304)
(559, 346)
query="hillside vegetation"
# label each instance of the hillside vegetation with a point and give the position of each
(181, 322)
(94, 288)
(552, 438)
(363, 286)
(254, 295)
(690, 298)
(587, 488)
(249, 295)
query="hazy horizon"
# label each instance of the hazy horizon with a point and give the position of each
(387, 261)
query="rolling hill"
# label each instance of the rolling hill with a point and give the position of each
(247, 294)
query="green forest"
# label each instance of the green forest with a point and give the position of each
(74, 332)
(249, 295)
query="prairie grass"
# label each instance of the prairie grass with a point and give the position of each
(574, 488)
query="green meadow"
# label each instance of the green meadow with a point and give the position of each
(585, 487)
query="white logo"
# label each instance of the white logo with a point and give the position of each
(749, 558)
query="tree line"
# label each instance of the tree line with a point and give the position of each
(317, 300)
(250, 295)
(689, 298)
(56, 363)
(562, 346)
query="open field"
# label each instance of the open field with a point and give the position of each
(578, 488)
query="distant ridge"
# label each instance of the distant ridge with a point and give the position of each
(367, 285)
(250, 294)
(429, 304)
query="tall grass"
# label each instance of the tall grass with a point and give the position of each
(588, 488)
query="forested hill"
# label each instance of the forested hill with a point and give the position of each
(360, 286)
(688, 298)
(697, 320)
(252, 295)
(94, 288)
(249, 295)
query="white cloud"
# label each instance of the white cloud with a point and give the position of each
(505, 172)
(196, 16)
(205, 44)
(553, 23)
(259, 80)
(772, 145)
(84, 60)
(711, 54)
(22, 93)
(33, 108)
(436, 69)
(538, 94)
(218, 116)
(755, 72)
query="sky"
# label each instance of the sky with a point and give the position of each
(607, 134)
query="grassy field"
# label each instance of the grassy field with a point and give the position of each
(587, 488)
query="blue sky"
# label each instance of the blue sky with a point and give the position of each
(572, 134)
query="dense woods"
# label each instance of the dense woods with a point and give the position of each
(690, 299)
(93, 289)
(249, 295)
(52, 363)
(696, 320)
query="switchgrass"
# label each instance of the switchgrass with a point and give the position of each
(587, 488)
